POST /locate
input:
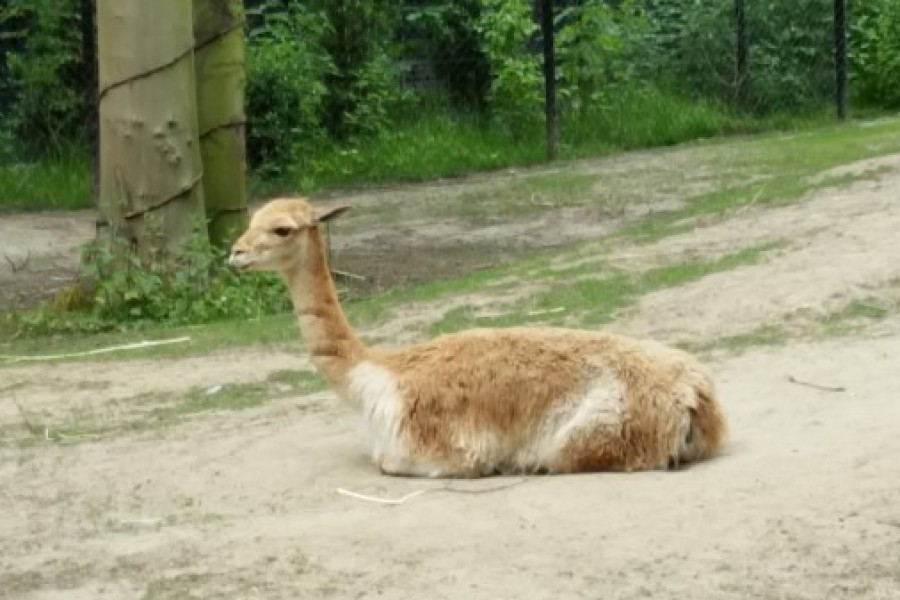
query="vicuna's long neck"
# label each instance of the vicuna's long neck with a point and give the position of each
(331, 342)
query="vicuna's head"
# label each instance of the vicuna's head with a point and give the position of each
(278, 235)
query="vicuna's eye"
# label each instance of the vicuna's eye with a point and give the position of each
(282, 231)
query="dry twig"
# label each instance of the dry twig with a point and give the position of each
(31, 428)
(16, 267)
(816, 386)
(133, 346)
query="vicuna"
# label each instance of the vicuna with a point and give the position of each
(490, 401)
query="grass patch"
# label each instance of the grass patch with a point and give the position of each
(764, 335)
(851, 319)
(276, 330)
(786, 166)
(152, 411)
(238, 396)
(857, 315)
(595, 300)
(60, 181)
(438, 143)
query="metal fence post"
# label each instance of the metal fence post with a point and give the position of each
(742, 47)
(89, 56)
(840, 57)
(549, 79)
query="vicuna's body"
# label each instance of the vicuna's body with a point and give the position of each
(491, 401)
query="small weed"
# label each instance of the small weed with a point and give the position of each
(183, 586)
(764, 335)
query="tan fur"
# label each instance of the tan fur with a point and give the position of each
(490, 401)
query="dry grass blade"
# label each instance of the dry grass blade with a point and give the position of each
(28, 424)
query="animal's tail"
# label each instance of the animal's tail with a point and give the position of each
(707, 429)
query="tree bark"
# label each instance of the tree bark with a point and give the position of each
(221, 79)
(150, 167)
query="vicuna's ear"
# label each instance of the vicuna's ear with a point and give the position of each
(326, 213)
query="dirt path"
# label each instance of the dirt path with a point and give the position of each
(842, 245)
(244, 504)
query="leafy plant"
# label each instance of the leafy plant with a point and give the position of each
(46, 72)
(119, 291)
(595, 48)
(286, 68)
(875, 53)
(362, 87)
(691, 48)
(443, 39)
(506, 29)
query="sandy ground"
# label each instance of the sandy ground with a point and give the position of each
(803, 504)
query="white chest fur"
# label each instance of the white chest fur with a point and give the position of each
(374, 388)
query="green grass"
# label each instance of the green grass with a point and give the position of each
(435, 143)
(150, 411)
(785, 166)
(852, 318)
(591, 301)
(435, 146)
(60, 182)
(764, 335)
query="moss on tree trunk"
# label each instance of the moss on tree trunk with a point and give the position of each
(221, 80)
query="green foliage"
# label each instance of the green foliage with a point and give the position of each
(627, 117)
(792, 63)
(875, 53)
(596, 49)
(444, 34)
(318, 73)
(691, 47)
(43, 63)
(120, 291)
(286, 68)
(58, 180)
(328, 103)
(515, 100)
(362, 88)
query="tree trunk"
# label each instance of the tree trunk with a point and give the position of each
(219, 64)
(150, 169)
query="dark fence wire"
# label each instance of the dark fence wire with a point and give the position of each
(451, 65)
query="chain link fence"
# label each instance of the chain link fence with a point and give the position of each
(324, 76)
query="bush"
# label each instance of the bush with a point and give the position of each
(790, 64)
(443, 39)
(119, 292)
(514, 98)
(362, 88)
(286, 69)
(596, 48)
(47, 78)
(875, 53)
